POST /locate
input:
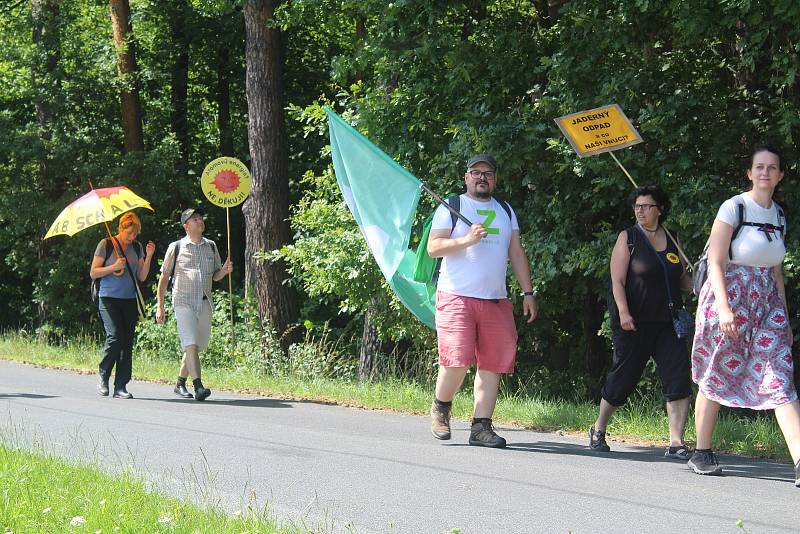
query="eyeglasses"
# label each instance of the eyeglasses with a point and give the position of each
(475, 173)
(644, 207)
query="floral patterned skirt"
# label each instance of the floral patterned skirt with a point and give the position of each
(753, 370)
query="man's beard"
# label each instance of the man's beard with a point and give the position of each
(483, 193)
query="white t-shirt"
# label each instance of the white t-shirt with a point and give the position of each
(479, 270)
(751, 247)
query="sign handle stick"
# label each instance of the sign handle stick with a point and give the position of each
(687, 263)
(230, 275)
(623, 169)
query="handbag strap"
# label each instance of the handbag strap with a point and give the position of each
(663, 266)
(139, 303)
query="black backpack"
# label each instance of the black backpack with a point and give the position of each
(94, 288)
(700, 270)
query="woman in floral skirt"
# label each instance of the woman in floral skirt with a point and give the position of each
(742, 346)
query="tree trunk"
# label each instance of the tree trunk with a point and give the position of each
(224, 102)
(47, 45)
(179, 10)
(133, 136)
(266, 211)
(371, 345)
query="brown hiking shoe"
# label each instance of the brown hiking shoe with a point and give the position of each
(482, 434)
(440, 421)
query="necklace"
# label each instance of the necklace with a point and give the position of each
(648, 230)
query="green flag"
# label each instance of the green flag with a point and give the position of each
(383, 198)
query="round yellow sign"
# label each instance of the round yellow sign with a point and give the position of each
(226, 182)
(672, 257)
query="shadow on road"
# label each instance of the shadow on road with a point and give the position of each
(26, 396)
(247, 403)
(732, 466)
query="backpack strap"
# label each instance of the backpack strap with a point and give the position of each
(455, 203)
(177, 249)
(767, 228)
(506, 207)
(781, 220)
(109, 247)
(632, 235)
(737, 228)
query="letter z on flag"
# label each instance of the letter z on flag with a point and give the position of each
(383, 198)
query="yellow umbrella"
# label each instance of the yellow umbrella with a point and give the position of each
(96, 207)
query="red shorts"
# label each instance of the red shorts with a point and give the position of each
(476, 332)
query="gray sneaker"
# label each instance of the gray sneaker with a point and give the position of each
(440, 421)
(679, 452)
(597, 440)
(482, 434)
(705, 463)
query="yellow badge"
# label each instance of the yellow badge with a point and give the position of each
(672, 257)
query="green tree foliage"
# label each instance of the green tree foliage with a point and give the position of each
(429, 82)
(702, 81)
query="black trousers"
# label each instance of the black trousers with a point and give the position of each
(631, 352)
(119, 320)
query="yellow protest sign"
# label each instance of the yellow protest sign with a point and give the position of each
(598, 130)
(226, 182)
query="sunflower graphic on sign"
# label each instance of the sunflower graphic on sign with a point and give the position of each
(226, 182)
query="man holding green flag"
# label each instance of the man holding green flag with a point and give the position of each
(474, 317)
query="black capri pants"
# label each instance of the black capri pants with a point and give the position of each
(632, 349)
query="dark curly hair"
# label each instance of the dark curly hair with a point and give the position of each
(661, 198)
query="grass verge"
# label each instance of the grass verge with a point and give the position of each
(640, 420)
(41, 493)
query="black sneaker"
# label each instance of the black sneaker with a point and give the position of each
(597, 441)
(705, 463)
(201, 393)
(482, 434)
(122, 393)
(102, 386)
(797, 474)
(181, 391)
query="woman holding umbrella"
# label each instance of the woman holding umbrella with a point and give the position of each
(116, 262)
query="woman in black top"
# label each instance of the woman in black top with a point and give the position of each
(641, 320)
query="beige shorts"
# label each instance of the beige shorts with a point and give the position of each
(194, 327)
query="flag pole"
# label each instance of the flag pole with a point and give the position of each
(687, 263)
(444, 203)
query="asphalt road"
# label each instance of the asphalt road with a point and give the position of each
(338, 469)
